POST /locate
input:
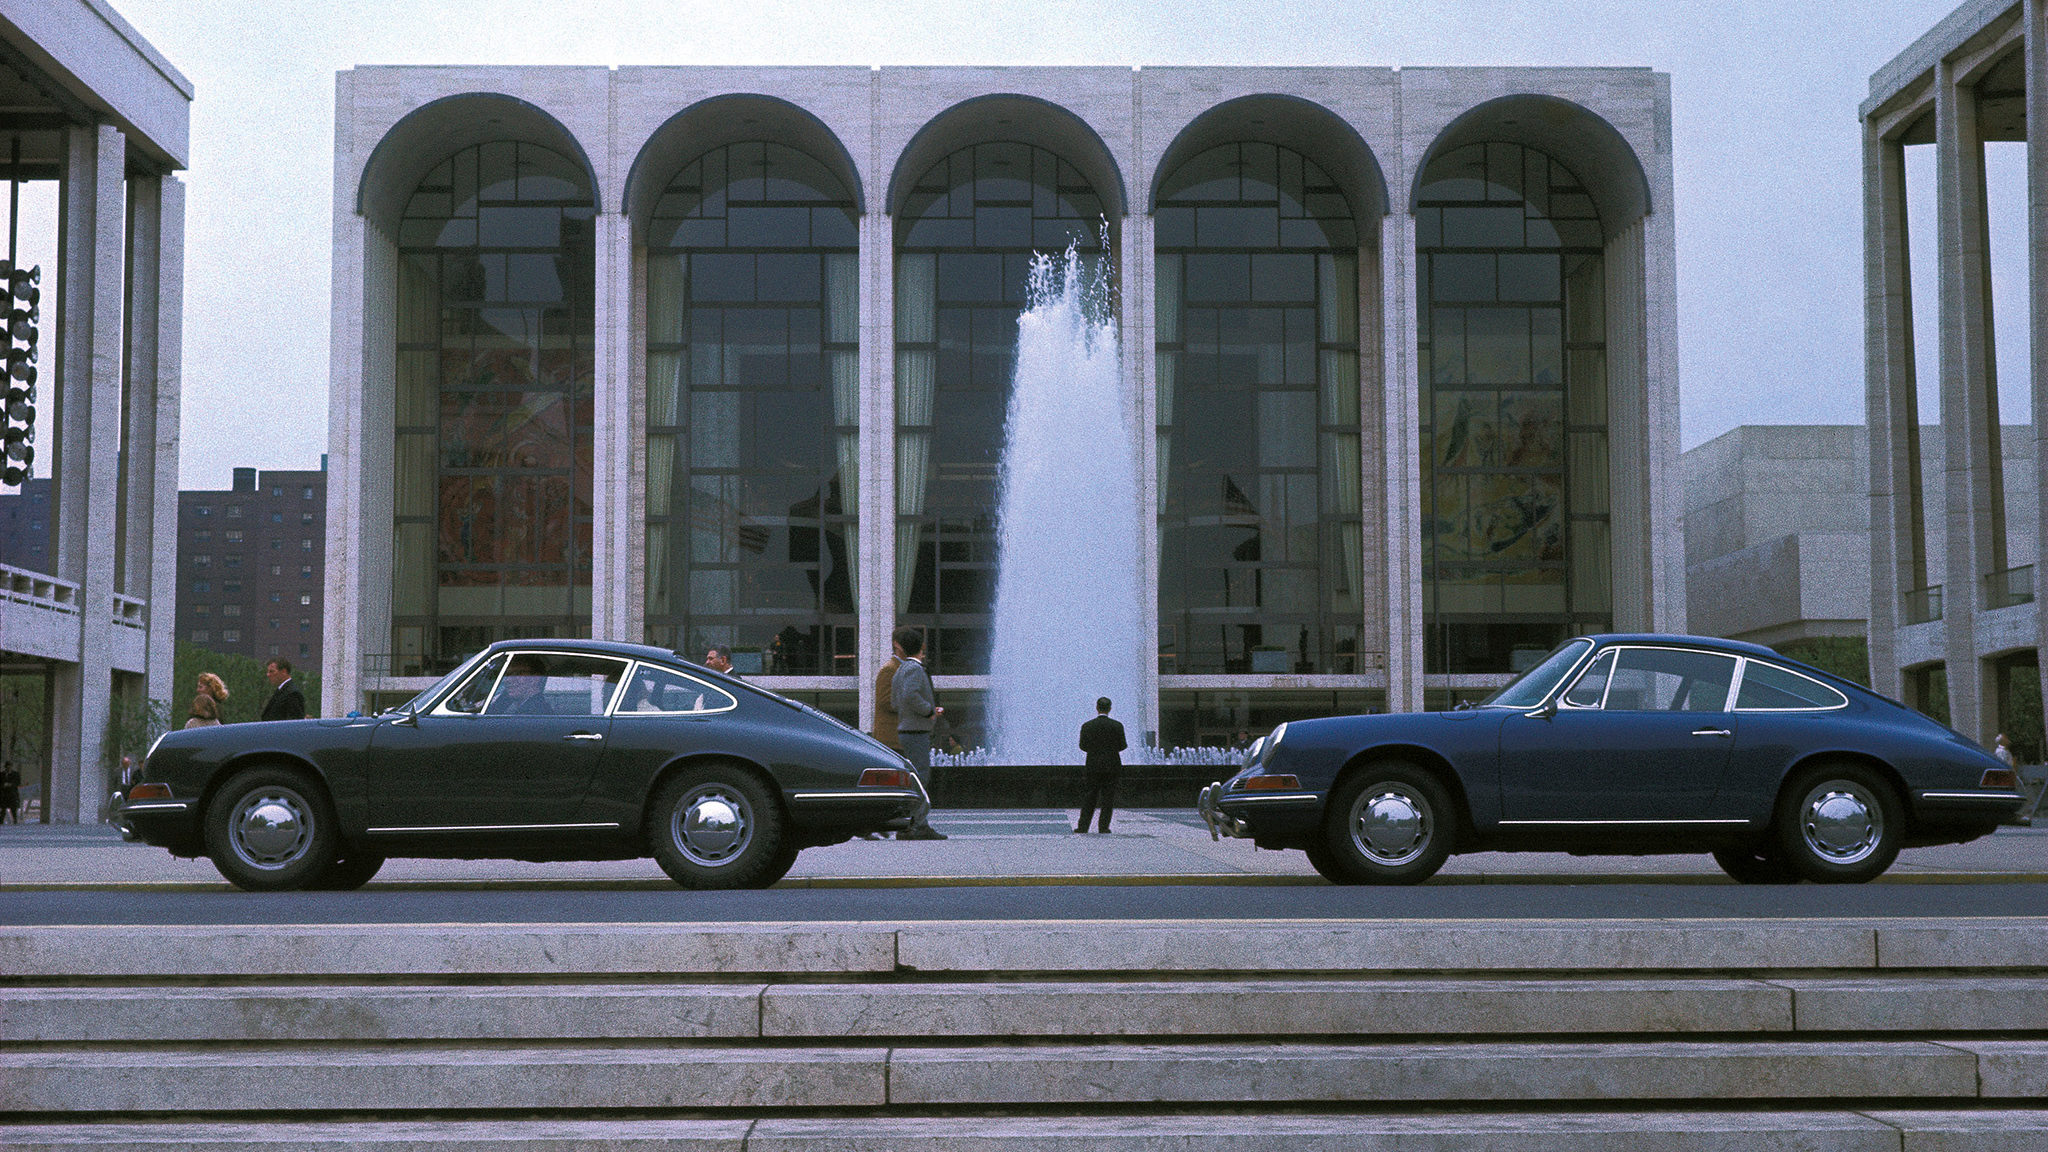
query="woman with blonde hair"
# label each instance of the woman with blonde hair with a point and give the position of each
(206, 707)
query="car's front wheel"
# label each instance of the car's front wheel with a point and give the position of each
(1749, 866)
(1391, 823)
(718, 827)
(1839, 824)
(349, 872)
(270, 830)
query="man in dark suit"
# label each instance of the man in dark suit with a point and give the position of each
(523, 691)
(1103, 740)
(286, 702)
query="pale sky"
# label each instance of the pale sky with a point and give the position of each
(1766, 152)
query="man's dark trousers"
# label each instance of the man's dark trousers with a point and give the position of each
(1103, 740)
(1100, 788)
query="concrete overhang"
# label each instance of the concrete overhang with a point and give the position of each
(93, 66)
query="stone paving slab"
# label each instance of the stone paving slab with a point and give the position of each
(2009, 1069)
(1938, 1131)
(1496, 1071)
(414, 1078)
(1916, 1003)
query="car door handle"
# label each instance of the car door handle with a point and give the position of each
(1712, 732)
(583, 736)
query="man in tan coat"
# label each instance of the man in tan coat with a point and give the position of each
(885, 712)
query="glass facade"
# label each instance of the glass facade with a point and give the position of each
(753, 330)
(1261, 554)
(965, 236)
(1511, 309)
(492, 460)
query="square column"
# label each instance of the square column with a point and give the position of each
(1898, 538)
(149, 496)
(875, 534)
(618, 571)
(1137, 299)
(1400, 455)
(1969, 395)
(92, 236)
(2034, 20)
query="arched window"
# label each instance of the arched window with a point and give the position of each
(1260, 551)
(965, 237)
(1514, 409)
(492, 480)
(753, 331)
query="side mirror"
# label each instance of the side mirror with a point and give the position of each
(1545, 712)
(408, 718)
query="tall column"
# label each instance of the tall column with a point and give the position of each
(618, 503)
(875, 572)
(343, 583)
(1629, 423)
(1400, 453)
(1374, 513)
(2034, 18)
(92, 235)
(1969, 395)
(1136, 294)
(1898, 538)
(149, 494)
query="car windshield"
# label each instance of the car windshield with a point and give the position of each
(1529, 689)
(420, 701)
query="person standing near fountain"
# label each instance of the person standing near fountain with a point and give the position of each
(1103, 740)
(910, 694)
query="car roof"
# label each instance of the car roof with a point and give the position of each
(1735, 647)
(595, 647)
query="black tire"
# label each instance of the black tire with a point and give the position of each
(270, 830)
(349, 872)
(1749, 866)
(1320, 859)
(1389, 823)
(717, 827)
(1839, 824)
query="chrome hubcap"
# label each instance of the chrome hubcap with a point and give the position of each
(712, 825)
(1841, 822)
(1390, 824)
(271, 827)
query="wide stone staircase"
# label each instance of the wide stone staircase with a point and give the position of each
(1305, 1036)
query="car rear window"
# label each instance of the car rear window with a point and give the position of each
(1766, 687)
(660, 691)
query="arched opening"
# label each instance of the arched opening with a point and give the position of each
(753, 329)
(493, 323)
(1261, 546)
(1512, 317)
(967, 226)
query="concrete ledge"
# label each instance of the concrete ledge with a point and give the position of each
(1276, 1008)
(417, 1078)
(1969, 944)
(1919, 1003)
(1268, 1074)
(2018, 1131)
(2009, 1069)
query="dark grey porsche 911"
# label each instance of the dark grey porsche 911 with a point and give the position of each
(531, 750)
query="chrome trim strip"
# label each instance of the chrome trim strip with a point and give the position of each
(1267, 797)
(858, 794)
(491, 827)
(2001, 797)
(1608, 823)
(159, 806)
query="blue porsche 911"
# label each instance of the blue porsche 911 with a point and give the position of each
(1625, 745)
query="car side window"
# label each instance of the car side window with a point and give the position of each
(1766, 687)
(1670, 680)
(661, 691)
(553, 684)
(1592, 686)
(468, 700)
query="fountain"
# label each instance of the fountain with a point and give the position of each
(1067, 611)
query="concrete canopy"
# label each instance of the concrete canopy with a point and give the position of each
(1024, 119)
(732, 119)
(433, 132)
(1568, 133)
(1304, 126)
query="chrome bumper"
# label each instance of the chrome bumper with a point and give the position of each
(1220, 823)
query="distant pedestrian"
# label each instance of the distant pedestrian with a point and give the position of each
(718, 658)
(286, 701)
(910, 694)
(209, 707)
(10, 793)
(885, 704)
(2002, 748)
(1103, 740)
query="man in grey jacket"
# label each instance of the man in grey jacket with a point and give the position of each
(910, 692)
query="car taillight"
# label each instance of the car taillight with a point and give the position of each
(150, 792)
(1271, 783)
(1999, 778)
(885, 778)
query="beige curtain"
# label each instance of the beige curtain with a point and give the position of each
(661, 474)
(1166, 330)
(1337, 323)
(916, 383)
(842, 326)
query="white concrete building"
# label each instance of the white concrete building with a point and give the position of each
(89, 104)
(1953, 583)
(718, 355)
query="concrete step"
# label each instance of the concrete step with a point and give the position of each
(395, 1079)
(1806, 1131)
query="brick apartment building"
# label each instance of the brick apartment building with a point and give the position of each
(250, 565)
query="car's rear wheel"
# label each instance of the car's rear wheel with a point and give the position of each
(270, 830)
(349, 872)
(1839, 824)
(1390, 823)
(1749, 866)
(1325, 864)
(718, 827)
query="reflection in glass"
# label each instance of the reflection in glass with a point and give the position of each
(752, 412)
(1513, 355)
(1261, 544)
(492, 407)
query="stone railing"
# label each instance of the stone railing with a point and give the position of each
(38, 590)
